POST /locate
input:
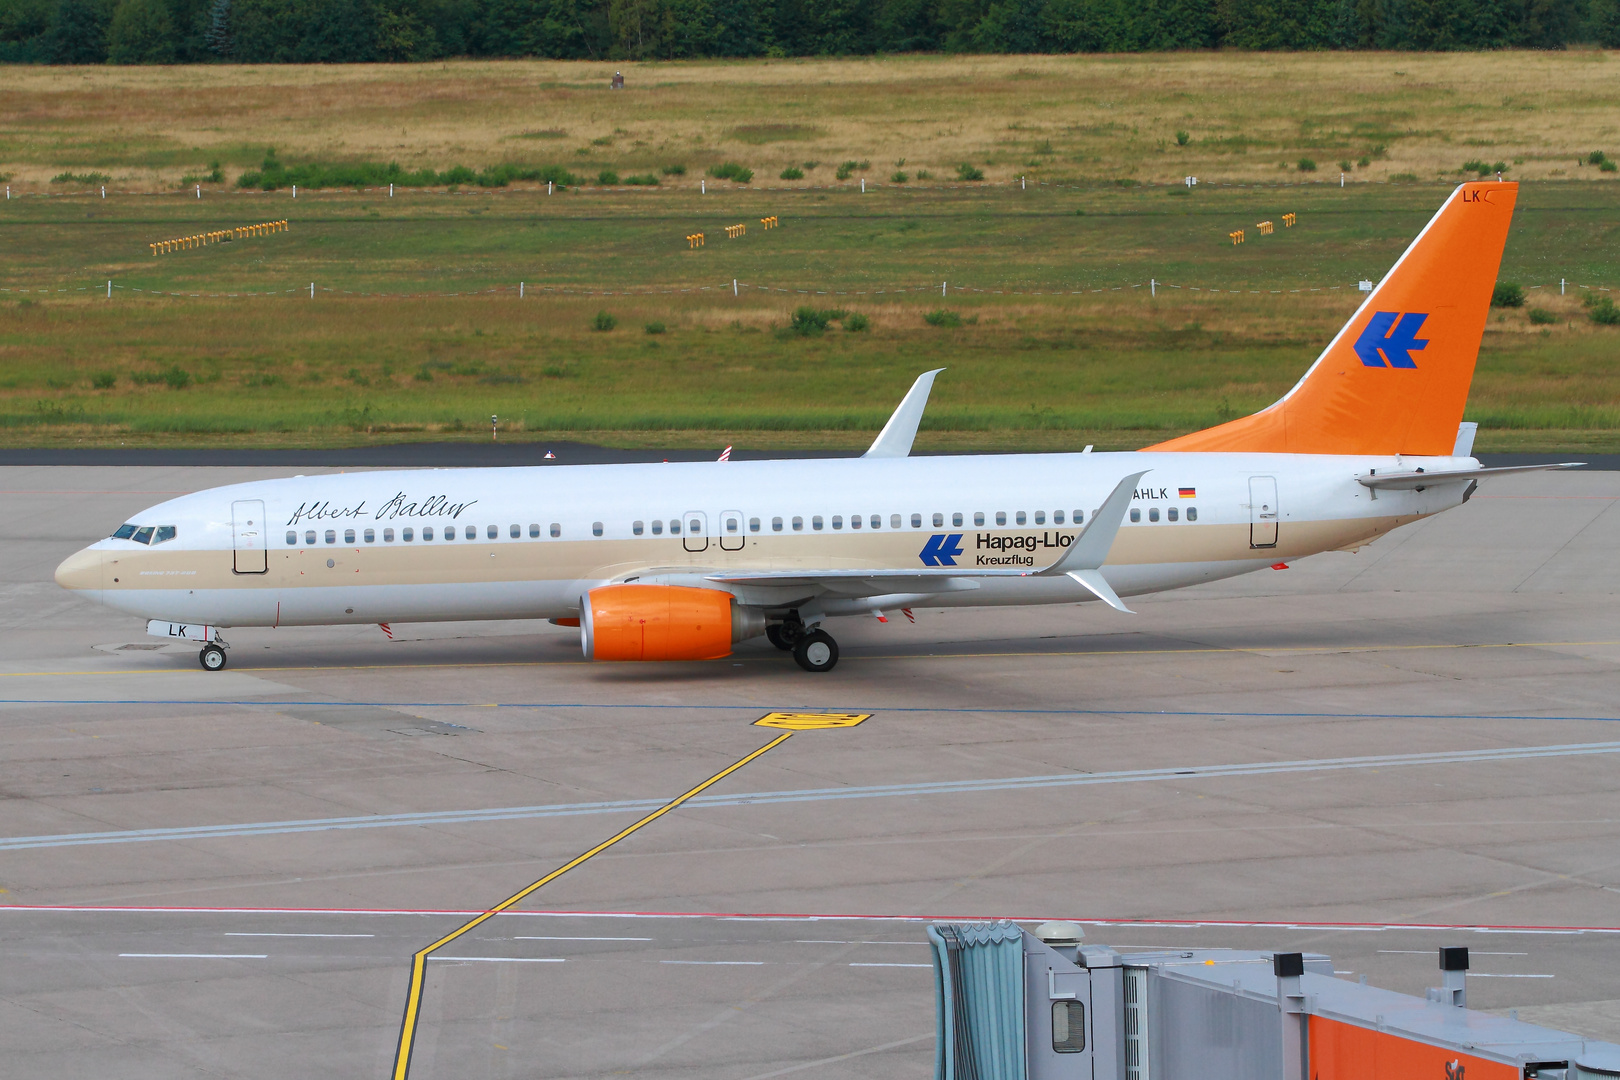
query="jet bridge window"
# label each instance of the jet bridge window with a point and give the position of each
(1068, 1027)
(124, 532)
(348, 536)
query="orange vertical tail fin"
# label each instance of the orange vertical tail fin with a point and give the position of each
(1395, 379)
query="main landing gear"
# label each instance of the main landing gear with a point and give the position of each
(813, 648)
(212, 657)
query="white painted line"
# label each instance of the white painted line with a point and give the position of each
(504, 959)
(876, 791)
(1489, 975)
(922, 943)
(892, 965)
(718, 963)
(245, 933)
(192, 956)
(1430, 952)
(531, 938)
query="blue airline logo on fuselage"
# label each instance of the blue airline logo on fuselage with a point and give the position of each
(1393, 337)
(941, 549)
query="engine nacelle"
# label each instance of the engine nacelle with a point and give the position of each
(663, 622)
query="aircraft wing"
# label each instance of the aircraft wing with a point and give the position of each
(1418, 479)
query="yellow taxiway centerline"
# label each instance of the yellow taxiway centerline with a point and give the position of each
(413, 1001)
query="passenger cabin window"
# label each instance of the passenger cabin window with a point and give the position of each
(694, 527)
(449, 533)
(556, 530)
(471, 532)
(1192, 513)
(956, 520)
(635, 528)
(753, 524)
(1019, 519)
(939, 521)
(388, 536)
(371, 536)
(1057, 517)
(1001, 517)
(1040, 517)
(733, 524)
(1079, 518)
(331, 536)
(877, 521)
(292, 537)
(427, 532)
(657, 528)
(854, 521)
(124, 532)
(798, 523)
(143, 535)
(348, 536)
(534, 531)
(916, 521)
(894, 521)
(596, 528)
(1153, 513)
(978, 517)
(1136, 515)
(776, 524)
(815, 522)
(1173, 514)
(407, 535)
(516, 532)
(309, 538)
(838, 521)
(674, 526)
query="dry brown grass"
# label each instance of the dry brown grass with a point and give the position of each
(1104, 117)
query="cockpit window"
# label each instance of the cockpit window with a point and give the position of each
(164, 533)
(143, 536)
(124, 532)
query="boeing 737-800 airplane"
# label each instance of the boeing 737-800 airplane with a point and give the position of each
(680, 561)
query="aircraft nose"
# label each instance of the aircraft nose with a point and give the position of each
(81, 570)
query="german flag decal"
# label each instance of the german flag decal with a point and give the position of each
(1188, 493)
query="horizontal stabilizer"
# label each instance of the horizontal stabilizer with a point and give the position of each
(1418, 479)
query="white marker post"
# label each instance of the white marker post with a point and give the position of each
(1153, 287)
(199, 192)
(295, 191)
(109, 290)
(703, 187)
(312, 290)
(733, 286)
(390, 191)
(520, 290)
(1341, 179)
(103, 191)
(548, 187)
(1560, 286)
(863, 185)
(1023, 184)
(942, 288)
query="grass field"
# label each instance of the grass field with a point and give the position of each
(416, 330)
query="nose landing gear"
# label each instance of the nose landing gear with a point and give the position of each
(212, 657)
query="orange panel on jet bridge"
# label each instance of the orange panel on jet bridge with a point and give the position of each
(1342, 1051)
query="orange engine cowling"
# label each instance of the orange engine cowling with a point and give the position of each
(656, 622)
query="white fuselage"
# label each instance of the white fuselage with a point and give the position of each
(529, 542)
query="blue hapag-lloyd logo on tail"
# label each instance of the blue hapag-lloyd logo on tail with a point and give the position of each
(1386, 339)
(941, 549)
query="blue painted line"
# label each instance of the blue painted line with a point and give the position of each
(764, 798)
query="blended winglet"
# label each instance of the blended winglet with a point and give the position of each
(1084, 559)
(895, 440)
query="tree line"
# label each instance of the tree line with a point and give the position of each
(348, 31)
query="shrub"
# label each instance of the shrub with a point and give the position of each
(1307, 165)
(1607, 166)
(792, 172)
(1596, 157)
(1542, 317)
(90, 179)
(423, 374)
(643, 180)
(1507, 294)
(898, 178)
(809, 165)
(1363, 161)
(941, 317)
(1182, 139)
(1345, 166)
(924, 174)
(1474, 165)
(732, 171)
(104, 380)
(607, 178)
(604, 322)
(1500, 167)
(673, 170)
(965, 171)
(810, 322)
(174, 377)
(654, 328)
(1603, 311)
(1404, 177)
(846, 170)
(857, 322)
